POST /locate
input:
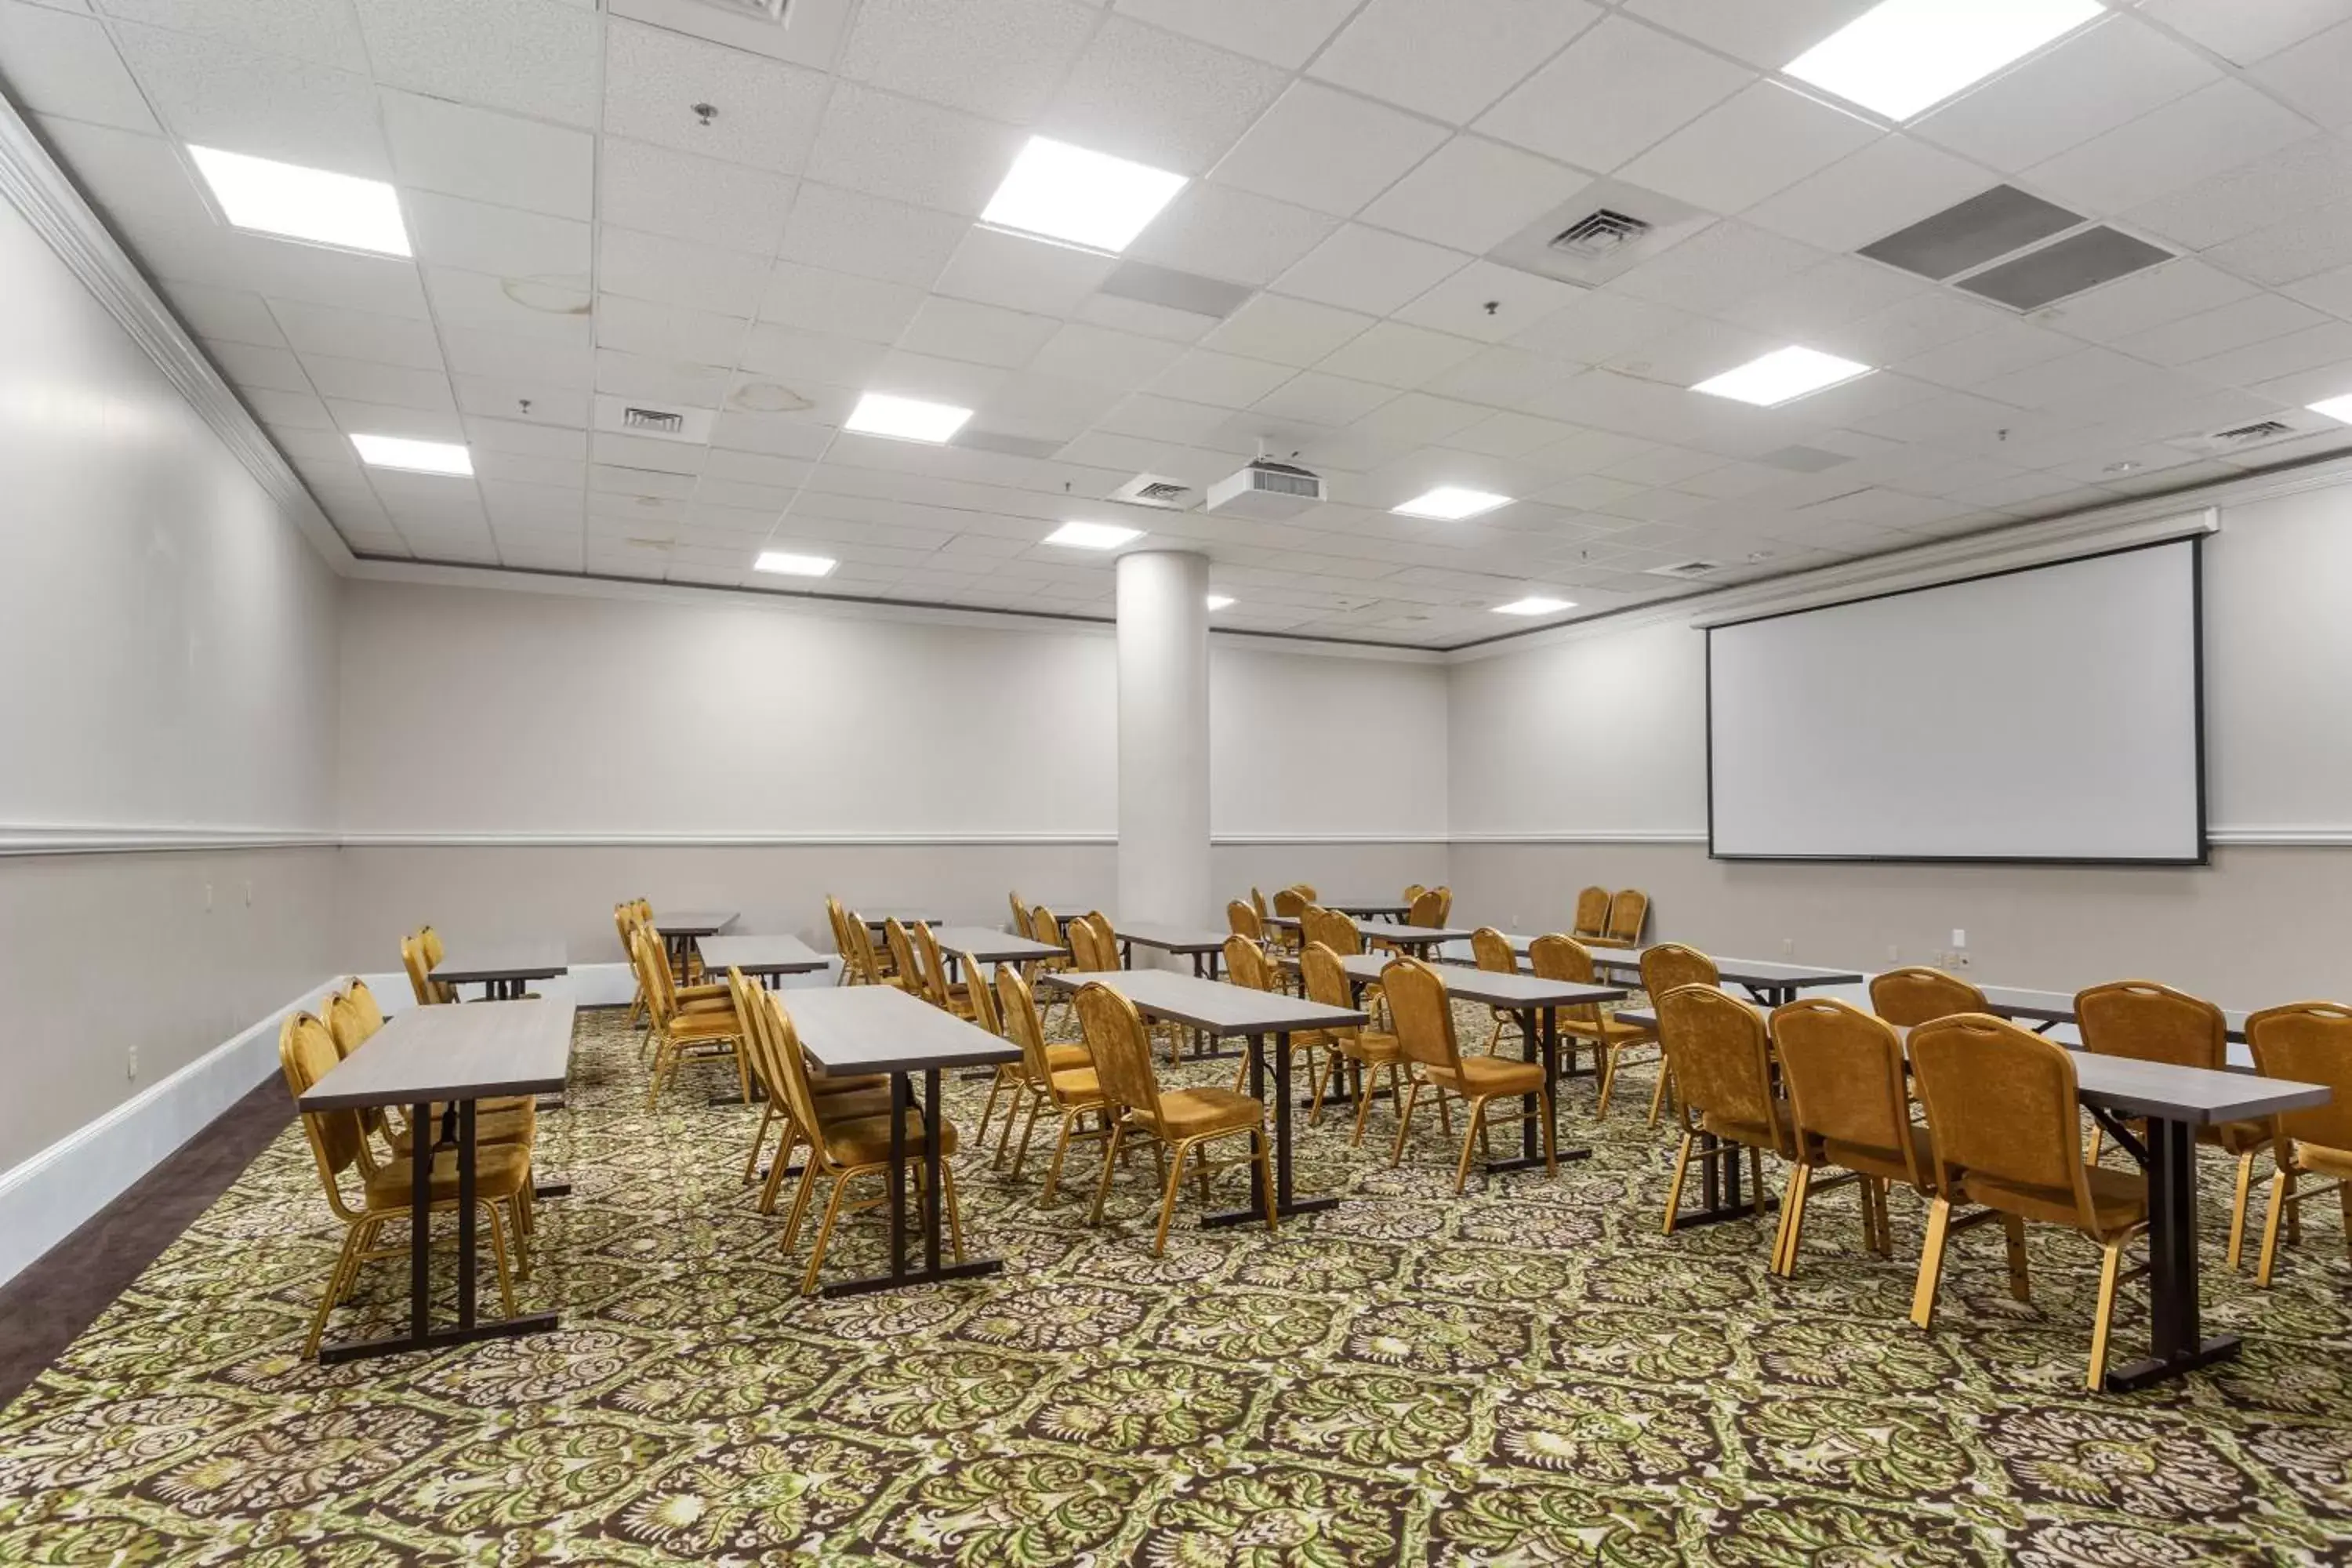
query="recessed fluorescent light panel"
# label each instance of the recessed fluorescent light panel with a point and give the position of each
(1221, 601)
(415, 457)
(2336, 407)
(1060, 192)
(1901, 57)
(1093, 535)
(1780, 375)
(1535, 605)
(791, 565)
(295, 203)
(1451, 503)
(905, 418)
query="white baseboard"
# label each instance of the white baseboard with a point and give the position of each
(45, 1199)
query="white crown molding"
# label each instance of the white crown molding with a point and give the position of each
(2301, 837)
(738, 840)
(1598, 836)
(37, 187)
(25, 839)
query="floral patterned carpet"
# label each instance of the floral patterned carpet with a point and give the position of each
(1527, 1374)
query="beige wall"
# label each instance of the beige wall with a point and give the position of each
(167, 667)
(1603, 736)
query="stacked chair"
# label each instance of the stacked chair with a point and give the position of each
(697, 1023)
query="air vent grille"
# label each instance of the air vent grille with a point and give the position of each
(1153, 489)
(770, 10)
(1686, 569)
(1599, 234)
(656, 421)
(2263, 431)
(1282, 480)
(1162, 492)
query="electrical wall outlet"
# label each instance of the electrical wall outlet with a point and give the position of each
(1961, 959)
(248, 892)
(1788, 946)
(208, 898)
(1959, 937)
(131, 1067)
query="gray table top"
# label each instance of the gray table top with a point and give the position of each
(1734, 971)
(1372, 910)
(760, 954)
(881, 1028)
(2058, 1007)
(537, 959)
(1171, 938)
(693, 922)
(992, 946)
(1212, 1005)
(1489, 986)
(878, 921)
(1401, 936)
(473, 1051)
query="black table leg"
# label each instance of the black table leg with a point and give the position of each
(420, 1224)
(1538, 1026)
(1285, 1204)
(2176, 1343)
(898, 1097)
(933, 1194)
(466, 1239)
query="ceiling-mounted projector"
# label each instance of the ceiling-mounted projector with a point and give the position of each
(1266, 491)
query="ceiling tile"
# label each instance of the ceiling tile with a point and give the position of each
(2185, 287)
(1361, 269)
(2307, 241)
(663, 381)
(497, 355)
(909, 151)
(1448, 58)
(522, 306)
(659, 191)
(1022, 274)
(251, 366)
(666, 331)
(2254, 321)
(1762, 140)
(2314, 172)
(294, 410)
(768, 112)
(1474, 193)
(268, 106)
(1320, 399)
(1619, 89)
(998, 57)
(651, 267)
(1503, 377)
(794, 355)
(1287, 331)
(846, 231)
(1832, 291)
(2311, 76)
(959, 329)
(358, 334)
(530, 56)
(2185, 140)
(819, 301)
(1232, 233)
(1041, 408)
(324, 32)
(1766, 37)
(1097, 354)
(2098, 79)
(1328, 150)
(1171, 104)
(1488, 302)
(56, 64)
(1394, 354)
(362, 381)
(1890, 185)
(1721, 263)
(490, 157)
(1228, 381)
(2243, 33)
(1599, 325)
(384, 419)
(451, 231)
(227, 315)
(1287, 34)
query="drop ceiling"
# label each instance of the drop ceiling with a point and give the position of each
(1332, 282)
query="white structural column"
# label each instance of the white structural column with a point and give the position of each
(1163, 738)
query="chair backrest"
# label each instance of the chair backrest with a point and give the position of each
(1079, 938)
(1844, 1074)
(1245, 921)
(1591, 913)
(983, 999)
(834, 915)
(1428, 908)
(2152, 1023)
(1628, 911)
(1305, 891)
(1120, 1048)
(1906, 997)
(2309, 1042)
(430, 946)
(347, 1025)
(1289, 902)
(1020, 926)
(1257, 902)
(652, 974)
(790, 1065)
(1333, 929)
(935, 966)
(1670, 966)
(1562, 958)
(1445, 903)
(1492, 951)
(412, 959)
(306, 1053)
(1247, 964)
(758, 1043)
(1092, 946)
(1016, 1011)
(2001, 1102)
(624, 917)
(1326, 977)
(902, 956)
(864, 956)
(1044, 927)
(1106, 939)
(1421, 1013)
(1412, 891)
(1719, 1053)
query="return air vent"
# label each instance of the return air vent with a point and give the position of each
(1989, 225)
(1599, 235)
(2263, 431)
(654, 421)
(2064, 268)
(2239, 437)
(1687, 570)
(1153, 489)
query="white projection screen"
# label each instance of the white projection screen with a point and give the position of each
(2050, 713)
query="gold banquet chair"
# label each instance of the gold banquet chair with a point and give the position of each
(1429, 908)
(1629, 910)
(2150, 1022)
(1247, 965)
(2307, 1042)
(1564, 959)
(1326, 980)
(957, 997)
(339, 1143)
(1423, 1014)
(699, 1033)
(1490, 950)
(1182, 1121)
(1850, 1106)
(1590, 921)
(1670, 966)
(834, 1098)
(2003, 1119)
(1909, 997)
(353, 1018)
(1026, 1084)
(845, 1150)
(1721, 1058)
(627, 917)
(1060, 1079)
